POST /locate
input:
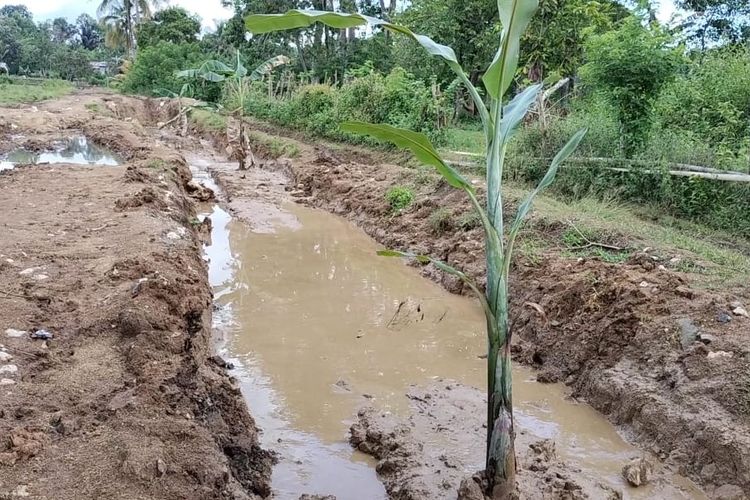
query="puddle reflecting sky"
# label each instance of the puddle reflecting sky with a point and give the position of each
(76, 150)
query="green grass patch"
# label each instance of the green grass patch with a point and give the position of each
(399, 198)
(15, 92)
(209, 120)
(464, 140)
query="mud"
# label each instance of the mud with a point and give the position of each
(609, 331)
(120, 400)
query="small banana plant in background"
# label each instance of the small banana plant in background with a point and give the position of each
(500, 120)
(236, 93)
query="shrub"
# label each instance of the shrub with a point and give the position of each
(399, 197)
(441, 220)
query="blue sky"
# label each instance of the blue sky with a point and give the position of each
(208, 10)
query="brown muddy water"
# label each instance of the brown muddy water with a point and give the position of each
(318, 326)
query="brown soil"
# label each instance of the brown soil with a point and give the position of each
(124, 401)
(637, 340)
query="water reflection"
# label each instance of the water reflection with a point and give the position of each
(76, 150)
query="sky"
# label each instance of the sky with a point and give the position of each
(209, 11)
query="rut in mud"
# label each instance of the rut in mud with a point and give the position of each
(107, 389)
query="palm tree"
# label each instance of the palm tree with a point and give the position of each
(120, 18)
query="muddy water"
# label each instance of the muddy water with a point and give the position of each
(319, 326)
(76, 150)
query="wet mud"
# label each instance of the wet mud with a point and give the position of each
(107, 385)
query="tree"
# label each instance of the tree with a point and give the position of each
(174, 25)
(499, 123)
(89, 32)
(630, 65)
(122, 17)
(63, 31)
(717, 21)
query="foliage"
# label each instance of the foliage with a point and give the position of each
(156, 68)
(703, 116)
(90, 34)
(630, 65)
(441, 220)
(174, 24)
(70, 63)
(398, 99)
(716, 21)
(399, 198)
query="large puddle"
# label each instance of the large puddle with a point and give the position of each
(76, 150)
(318, 325)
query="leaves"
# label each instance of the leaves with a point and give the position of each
(268, 66)
(515, 111)
(562, 155)
(415, 142)
(515, 16)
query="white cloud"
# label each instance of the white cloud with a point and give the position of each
(209, 11)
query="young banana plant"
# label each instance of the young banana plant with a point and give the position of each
(237, 90)
(500, 121)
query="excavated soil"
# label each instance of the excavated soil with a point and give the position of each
(123, 398)
(644, 344)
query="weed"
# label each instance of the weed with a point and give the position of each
(469, 220)
(209, 120)
(94, 107)
(441, 220)
(399, 197)
(16, 93)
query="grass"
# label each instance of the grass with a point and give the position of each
(209, 120)
(464, 140)
(701, 250)
(18, 93)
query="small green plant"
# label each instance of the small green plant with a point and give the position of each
(500, 120)
(469, 220)
(399, 197)
(441, 220)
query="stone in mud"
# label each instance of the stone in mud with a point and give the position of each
(723, 317)
(638, 471)
(316, 497)
(688, 331)
(740, 311)
(707, 338)
(199, 192)
(684, 291)
(471, 488)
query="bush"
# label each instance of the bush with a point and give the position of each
(154, 70)
(397, 99)
(399, 197)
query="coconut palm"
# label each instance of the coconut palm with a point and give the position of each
(120, 19)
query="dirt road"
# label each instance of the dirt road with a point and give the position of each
(123, 400)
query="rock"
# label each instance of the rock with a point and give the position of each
(549, 376)
(470, 489)
(719, 354)
(5, 357)
(706, 338)
(723, 317)
(199, 191)
(735, 304)
(7, 381)
(708, 471)
(42, 334)
(684, 291)
(316, 497)
(12, 332)
(740, 311)
(221, 362)
(729, 492)
(688, 331)
(161, 467)
(12, 369)
(21, 491)
(638, 471)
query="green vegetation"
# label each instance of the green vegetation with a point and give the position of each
(15, 92)
(441, 220)
(399, 198)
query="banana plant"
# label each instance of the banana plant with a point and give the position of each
(500, 119)
(237, 90)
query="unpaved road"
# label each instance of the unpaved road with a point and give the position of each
(123, 402)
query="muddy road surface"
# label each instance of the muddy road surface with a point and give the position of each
(107, 388)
